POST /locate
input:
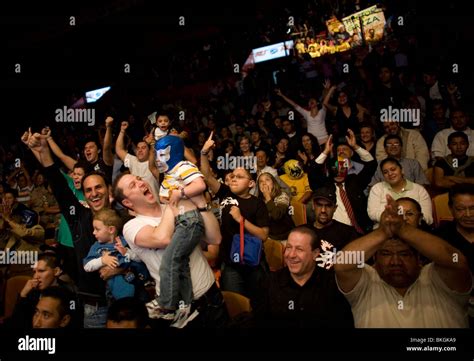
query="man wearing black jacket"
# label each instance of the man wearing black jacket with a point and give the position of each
(91, 287)
(301, 295)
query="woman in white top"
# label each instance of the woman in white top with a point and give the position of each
(315, 118)
(397, 186)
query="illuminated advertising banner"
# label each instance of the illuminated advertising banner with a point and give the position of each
(274, 51)
(373, 25)
(352, 23)
(372, 21)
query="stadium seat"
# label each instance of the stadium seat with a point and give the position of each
(13, 288)
(298, 212)
(274, 254)
(429, 175)
(236, 303)
(441, 211)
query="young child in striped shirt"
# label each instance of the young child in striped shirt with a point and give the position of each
(182, 180)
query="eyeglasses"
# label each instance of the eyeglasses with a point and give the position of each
(239, 177)
(393, 144)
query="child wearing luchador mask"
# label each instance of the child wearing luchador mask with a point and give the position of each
(182, 181)
(297, 180)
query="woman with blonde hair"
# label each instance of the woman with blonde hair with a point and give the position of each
(278, 206)
(281, 223)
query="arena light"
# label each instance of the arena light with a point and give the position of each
(94, 95)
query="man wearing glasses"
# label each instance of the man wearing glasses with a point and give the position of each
(237, 204)
(413, 146)
(412, 169)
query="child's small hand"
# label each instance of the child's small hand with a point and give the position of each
(119, 246)
(267, 192)
(175, 197)
(235, 213)
(109, 260)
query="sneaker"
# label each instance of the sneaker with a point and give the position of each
(155, 312)
(184, 316)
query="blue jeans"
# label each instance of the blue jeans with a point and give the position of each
(175, 276)
(242, 279)
(95, 316)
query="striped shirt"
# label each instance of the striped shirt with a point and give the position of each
(181, 175)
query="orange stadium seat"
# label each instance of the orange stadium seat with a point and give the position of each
(298, 212)
(429, 175)
(236, 303)
(441, 211)
(13, 288)
(274, 254)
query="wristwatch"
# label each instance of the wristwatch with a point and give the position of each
(129, 276)
(207, 208)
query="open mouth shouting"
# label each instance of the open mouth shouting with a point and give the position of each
(96, 202)
(147, 192)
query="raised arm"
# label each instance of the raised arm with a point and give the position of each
(329, 93)
(348, 275)
(107, 154)
(361, 112)
(450, 263)
(364, 154)
(120, 144)
(27, 175)
(39, 146)
(69, 205)
(11, 177)
(205, 168)
(285, 98)
(68, 161)
(328, 149)
(150, 140)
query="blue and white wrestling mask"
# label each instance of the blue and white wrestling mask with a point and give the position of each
(169, 151)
